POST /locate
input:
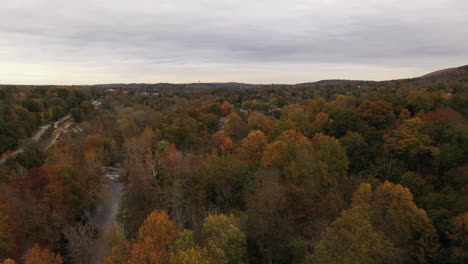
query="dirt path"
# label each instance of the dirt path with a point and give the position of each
(37, 136)
(57, 133)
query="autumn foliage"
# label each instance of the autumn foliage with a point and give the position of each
(328, 172)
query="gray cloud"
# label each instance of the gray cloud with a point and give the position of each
(96, 41)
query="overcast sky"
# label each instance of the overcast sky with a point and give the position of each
(255, 41)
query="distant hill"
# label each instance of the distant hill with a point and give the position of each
(337, 81)
(448, 72)
(226, 84)
(453, 73)
(461, 71)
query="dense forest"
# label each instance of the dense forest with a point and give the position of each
(328, 172)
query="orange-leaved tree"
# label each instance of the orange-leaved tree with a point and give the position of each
(254, 145)
(153, 240)
(38, 255)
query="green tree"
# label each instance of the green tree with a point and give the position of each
(414, 182)
(333, 155)
(77, 114)
(186, 251)
(297, 161)
(190, 256)
(31, 157)
(410, 140)
(223, 239)
(299, 117)
(351, 239)
(184, 242)
(343, 120)
(357, 150)
(419, 100)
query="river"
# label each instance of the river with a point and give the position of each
(104, 215)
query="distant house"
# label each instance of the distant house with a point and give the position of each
(96, 103)
(222, 122)
(77, 129)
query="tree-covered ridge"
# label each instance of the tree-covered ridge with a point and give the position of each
(329, 172)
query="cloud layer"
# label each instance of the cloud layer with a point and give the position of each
(262, 41)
